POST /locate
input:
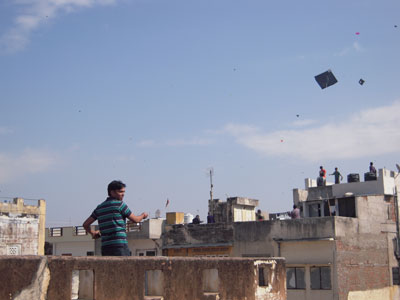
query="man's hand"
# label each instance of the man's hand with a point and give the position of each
(145, 215)
(95, 234)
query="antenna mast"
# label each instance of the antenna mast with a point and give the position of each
(211, 184)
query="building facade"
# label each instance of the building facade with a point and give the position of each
(343, 247)
(22, 227)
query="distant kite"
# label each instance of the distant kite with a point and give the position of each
(326, 79)
(361, 81)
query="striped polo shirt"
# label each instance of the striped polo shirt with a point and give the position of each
(111, 215)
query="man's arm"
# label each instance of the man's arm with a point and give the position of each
(137, 219)
(94, 233)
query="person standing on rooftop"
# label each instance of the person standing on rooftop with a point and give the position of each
(372, 168)
(338, 176)
(111, 215)
(322, 176)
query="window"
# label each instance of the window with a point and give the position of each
(13, 249)
(56, 231)
(395, 273)
(347, 207)
(320, 278)
(79, 230)
(90, 253)
(146, 252)
(295, 278)
(262, 276)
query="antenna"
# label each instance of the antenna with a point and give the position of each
(210, 172)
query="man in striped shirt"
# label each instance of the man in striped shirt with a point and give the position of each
(111, 215)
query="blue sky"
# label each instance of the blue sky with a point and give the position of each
(156, 92)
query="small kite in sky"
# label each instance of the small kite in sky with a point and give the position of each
(297, 115)
(326, 79)
(281, 141)
(357, 33)
(361, 81)
(166, 204)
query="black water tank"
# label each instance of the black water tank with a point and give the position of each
(353, 177)
(369, 176)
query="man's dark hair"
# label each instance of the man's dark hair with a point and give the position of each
(295, 206)
(115, 185)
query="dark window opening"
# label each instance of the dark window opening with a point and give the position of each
(90, 253)
(347, 207)
(262, 276)
(295, 278)
(396, 277)
(320, 278)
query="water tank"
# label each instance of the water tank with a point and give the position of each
(188, 218)
(369, 176)
(353, 177)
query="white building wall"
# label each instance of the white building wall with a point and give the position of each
(19, 233)
(73, 248)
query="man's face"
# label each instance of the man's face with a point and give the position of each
(118, 194)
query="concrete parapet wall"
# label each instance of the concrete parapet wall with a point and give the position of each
(121, 278)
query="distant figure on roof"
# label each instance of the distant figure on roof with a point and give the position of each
(196, 220)
(259, 215)
(295, 213)
(321, 181)
(338, 176)
(372, 168)
(210, 218)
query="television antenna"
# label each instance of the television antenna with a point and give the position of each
(210, 172)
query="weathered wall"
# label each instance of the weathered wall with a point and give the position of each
(121, 278)
(390, 293)
(363, 260)
(195, 234)
(22, 226)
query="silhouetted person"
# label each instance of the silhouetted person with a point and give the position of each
(372, 168)
(259, 215)
(321, 181)
(338, 176)
(295, 213)
(210, 218)
(196, 220)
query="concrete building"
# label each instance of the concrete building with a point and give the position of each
(22, 227)
(234, 209)
(344, 247)
(134, 278)
(144, 239)
(69, 241)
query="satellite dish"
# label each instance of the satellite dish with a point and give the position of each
(158, 214)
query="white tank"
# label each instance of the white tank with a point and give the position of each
(188, 218)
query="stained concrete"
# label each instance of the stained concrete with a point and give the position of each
(123, 278)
